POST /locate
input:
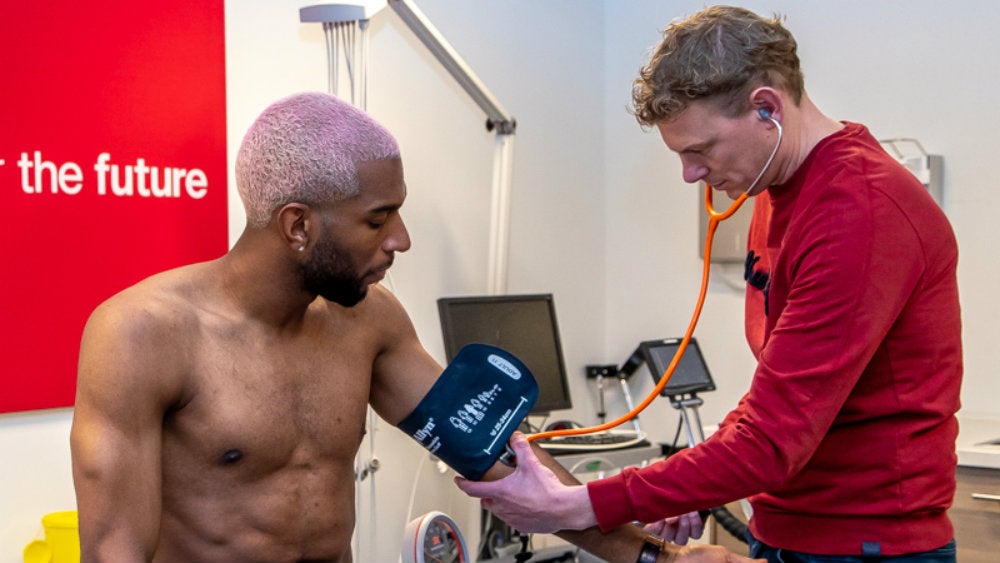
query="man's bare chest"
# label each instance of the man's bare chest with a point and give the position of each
(266, 406)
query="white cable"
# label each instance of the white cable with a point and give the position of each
(335, 61)
(363, 69)
(356, 551)
(372, 521)
(327, 36)
(774, 151)
(346, 40)
(413, 488)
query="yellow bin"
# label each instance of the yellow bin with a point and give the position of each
(62, 540)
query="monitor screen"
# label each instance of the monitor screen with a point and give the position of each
(691, 374)
(524, 325)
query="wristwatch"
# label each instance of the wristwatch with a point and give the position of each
(651, 548)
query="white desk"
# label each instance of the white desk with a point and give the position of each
(578, 463)
(974, 433)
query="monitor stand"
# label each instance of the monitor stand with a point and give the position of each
(688, 406)
(623, 381)
(602, 412)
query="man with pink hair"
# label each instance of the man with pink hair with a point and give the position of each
(220, 405)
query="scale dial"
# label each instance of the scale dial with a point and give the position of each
(434, 538)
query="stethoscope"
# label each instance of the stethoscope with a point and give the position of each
(713, 215)
(714, 218)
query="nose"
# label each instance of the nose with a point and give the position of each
(693, 170)
(398, 239)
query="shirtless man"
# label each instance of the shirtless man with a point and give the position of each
(220, 405)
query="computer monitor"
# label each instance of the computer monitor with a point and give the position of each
(691, 374)
(524, 325)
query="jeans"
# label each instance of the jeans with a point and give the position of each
(944, 554)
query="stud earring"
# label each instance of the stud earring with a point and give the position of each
(301, 248)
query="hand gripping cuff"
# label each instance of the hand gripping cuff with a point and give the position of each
(473, 408)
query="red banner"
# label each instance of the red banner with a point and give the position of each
(112, 168)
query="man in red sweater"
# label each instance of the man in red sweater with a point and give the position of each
(845, 442)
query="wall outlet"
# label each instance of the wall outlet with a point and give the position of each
(606, 370)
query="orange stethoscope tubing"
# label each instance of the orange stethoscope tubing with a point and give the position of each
(713, 223)
(714, 218)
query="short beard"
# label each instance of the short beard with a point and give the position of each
(328, 275)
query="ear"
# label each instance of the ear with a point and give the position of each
(295, 221)
(766, 97)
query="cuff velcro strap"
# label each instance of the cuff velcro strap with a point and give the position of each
(473, 408)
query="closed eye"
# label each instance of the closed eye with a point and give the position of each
(377, 219)
(696, 150)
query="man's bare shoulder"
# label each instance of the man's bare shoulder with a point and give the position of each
(380, 311)
(139, 343)
(157, 308)
(383, 302)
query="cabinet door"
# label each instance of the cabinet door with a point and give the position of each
(977, 522)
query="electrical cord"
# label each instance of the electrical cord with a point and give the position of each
(413, 488)
(677, 434)
(730, 523)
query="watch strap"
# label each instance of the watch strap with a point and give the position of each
(651, 548)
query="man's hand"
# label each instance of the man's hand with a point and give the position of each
(532, 499)
(677, 529)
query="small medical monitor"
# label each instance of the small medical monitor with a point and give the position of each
(524, 325)
(691, 374)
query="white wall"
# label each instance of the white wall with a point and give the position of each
(600, 216)
(35, 475)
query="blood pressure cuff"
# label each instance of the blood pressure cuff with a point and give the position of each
(473, 408)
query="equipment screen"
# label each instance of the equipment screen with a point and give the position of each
(524, 325)
(691, 374)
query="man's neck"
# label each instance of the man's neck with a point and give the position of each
(260, 280)
(804, 132)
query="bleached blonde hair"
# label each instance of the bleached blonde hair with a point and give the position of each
(305, 148)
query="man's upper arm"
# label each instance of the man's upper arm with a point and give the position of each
(116, 437)
(403, 371)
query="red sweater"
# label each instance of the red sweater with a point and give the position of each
(847, 434)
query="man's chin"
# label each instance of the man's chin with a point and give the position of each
(345, 300)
